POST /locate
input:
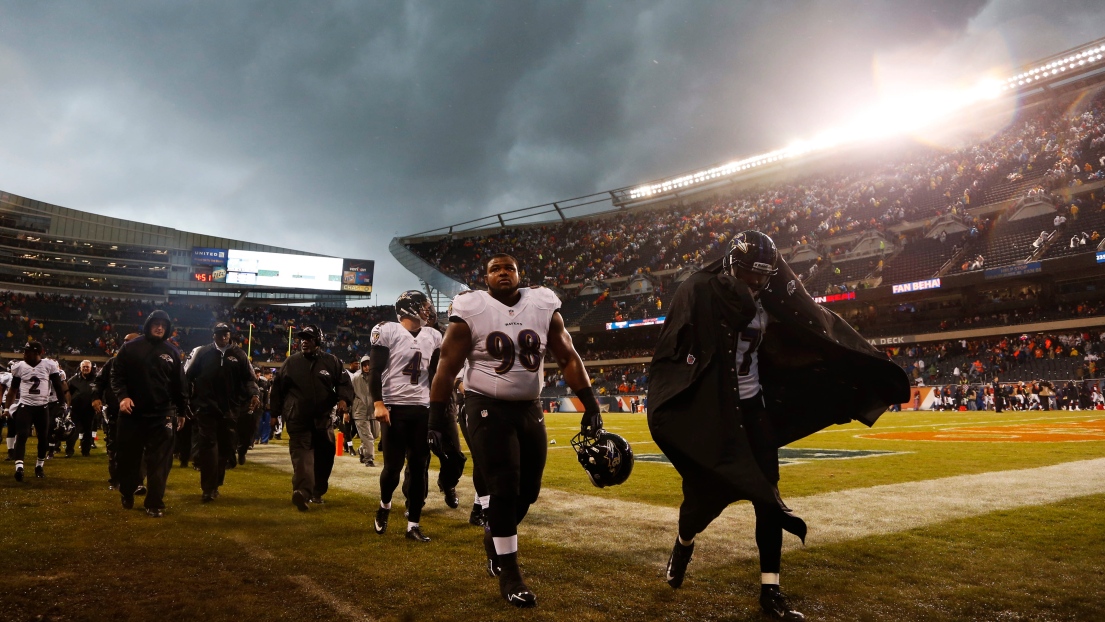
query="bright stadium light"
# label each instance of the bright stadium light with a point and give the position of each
(899, 114)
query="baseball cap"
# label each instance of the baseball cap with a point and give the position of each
(310, 331)
(33, 346)
(222, 327)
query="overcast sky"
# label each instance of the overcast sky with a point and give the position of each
(332, 127)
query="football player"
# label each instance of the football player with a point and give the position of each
(502, 333)
(719, 408)
(403, 362)
(32, 381)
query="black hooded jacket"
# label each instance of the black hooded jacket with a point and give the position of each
(815, 371)
(220, 381)
(149, 371)
(307, 388)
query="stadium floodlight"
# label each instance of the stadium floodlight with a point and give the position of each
(899, 115)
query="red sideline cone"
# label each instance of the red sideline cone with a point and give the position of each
(339, 440)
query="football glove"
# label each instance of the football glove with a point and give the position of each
(436, 434)
(591, 423)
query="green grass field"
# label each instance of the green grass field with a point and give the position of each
(71, 552)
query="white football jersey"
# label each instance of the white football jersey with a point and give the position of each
(61, 373)
(406, 379)
(748, 358)
(34, 382)
(508, 343)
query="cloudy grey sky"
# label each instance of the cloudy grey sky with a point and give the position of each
(333, 126)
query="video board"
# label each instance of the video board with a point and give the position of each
(282, 270)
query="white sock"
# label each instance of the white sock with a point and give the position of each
(18, 464)
(80, 437)
(485, 501)
(11, 442)
(386, 506)
(769, 578)
(685, 542)
(93, 435)
(39, 463)
(411, 525)
(506, 546)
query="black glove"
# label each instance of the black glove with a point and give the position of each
(591, 423)
(436, 434)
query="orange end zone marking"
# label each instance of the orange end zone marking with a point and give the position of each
(1078, 431)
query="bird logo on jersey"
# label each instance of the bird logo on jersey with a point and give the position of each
(791, 287)
(168, 359)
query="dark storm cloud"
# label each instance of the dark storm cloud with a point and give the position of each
(333, 127)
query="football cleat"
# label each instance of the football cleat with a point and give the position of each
(40, 473)
(511, 585)
(494, 568)
(318, 501)
(128, 503)
(774, 603)
(451, 498)
(415, 533)
(154, 512)
(476, 517)
(300, 501)
(141, 490)
(381, 523)
(208, 497)
(19, 474)
(677, 563)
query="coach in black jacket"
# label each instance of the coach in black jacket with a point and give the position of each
(814, 370)
(148, 380)
(220, 380)
(310, 384)
(81, 389)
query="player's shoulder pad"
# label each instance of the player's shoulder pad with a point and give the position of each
(544, 297)
(468, 303)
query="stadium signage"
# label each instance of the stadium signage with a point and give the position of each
(891, 341)
(834, 298)
(916, 286)
(202, 256)
(1018, 269)
(649, 321)
(1101, 257)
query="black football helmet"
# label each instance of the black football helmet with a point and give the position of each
(752, 251)
(607, 458)
(414, 304)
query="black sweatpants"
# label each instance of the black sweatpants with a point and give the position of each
(312, 451)
(146, 439)
(23, 420)
(705, 495)
(214, 446)
(404, 440)
(509, 447)
(82, 424)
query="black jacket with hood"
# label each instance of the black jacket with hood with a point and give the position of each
(815, 371)
(220, 382)
(307, 388)
(149, 371)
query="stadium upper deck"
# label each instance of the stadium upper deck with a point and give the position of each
(50, 248)
(812, 208)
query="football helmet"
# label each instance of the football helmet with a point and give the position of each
(752, 251)
(607, 458)
(414, 304)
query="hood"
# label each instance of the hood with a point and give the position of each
(366, 359)
(158, 315)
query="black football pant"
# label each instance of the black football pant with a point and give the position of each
(404, 440)
(214, 432)
(146, 439)
(477, 475)
(23, 420)
(247, 428)
(509, 447)
(706, 495)
(312, 451)
(82, 424)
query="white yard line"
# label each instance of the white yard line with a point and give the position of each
(593, 522)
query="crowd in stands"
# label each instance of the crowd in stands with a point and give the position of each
(1044, 148)
(978, 360)
(606, 380)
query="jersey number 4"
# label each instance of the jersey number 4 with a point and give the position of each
(414, 368)
(527, 351)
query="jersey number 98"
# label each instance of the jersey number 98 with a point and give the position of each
(527, 350)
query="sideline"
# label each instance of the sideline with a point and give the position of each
(644, 531)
